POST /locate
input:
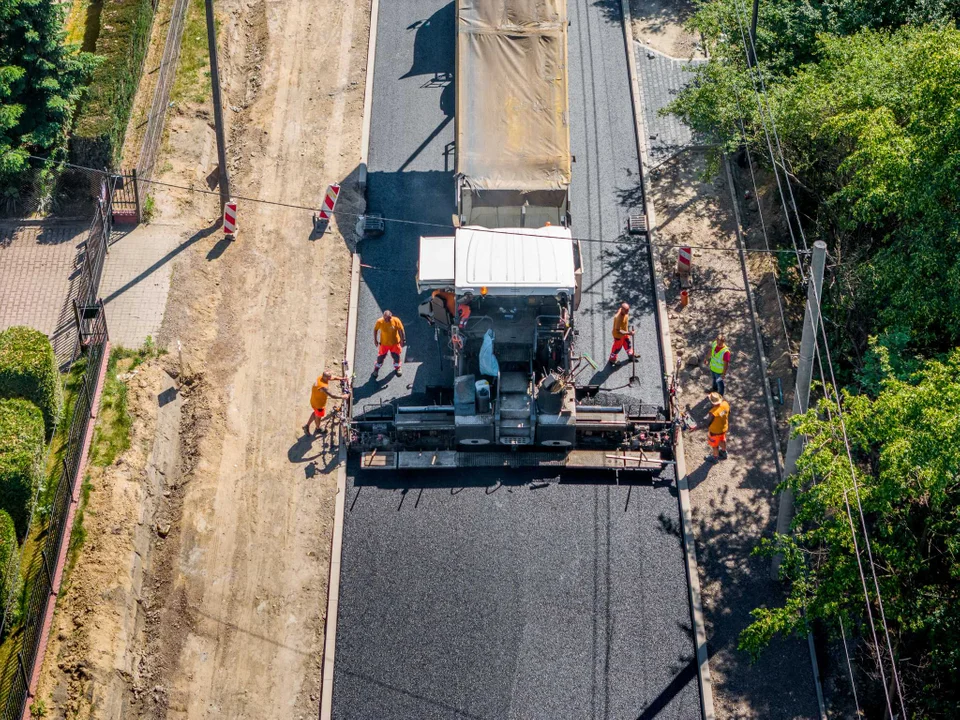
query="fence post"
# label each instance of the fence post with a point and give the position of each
(23, 671)
(136, 194)
(46, 567)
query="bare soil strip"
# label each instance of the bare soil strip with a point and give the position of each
(222, 610)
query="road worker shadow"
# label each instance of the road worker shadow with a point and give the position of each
(700, 474)
(307, 448)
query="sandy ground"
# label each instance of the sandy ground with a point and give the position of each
(659, 24)
(220, 612)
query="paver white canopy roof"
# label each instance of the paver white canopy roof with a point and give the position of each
(514, 260)
(436, 266)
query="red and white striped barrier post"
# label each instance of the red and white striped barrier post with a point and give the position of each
(230, 219)
(685, 265)
(329, 203)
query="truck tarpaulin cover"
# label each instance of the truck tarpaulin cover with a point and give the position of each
(512, 131)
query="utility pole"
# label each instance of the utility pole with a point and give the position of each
(752, 51)
(801, 395)
(224, 179)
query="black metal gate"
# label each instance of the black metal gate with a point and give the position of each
(125, 198)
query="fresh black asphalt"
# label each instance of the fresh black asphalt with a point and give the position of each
(504, 594)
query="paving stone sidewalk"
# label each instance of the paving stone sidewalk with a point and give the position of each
(661, 77)
(136, 281)
(38, 268)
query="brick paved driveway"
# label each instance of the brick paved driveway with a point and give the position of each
(38, 267)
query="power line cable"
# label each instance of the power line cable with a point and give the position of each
(400, 221)
(853, 684)
(763, 225)
(839, 413)
(766, 132)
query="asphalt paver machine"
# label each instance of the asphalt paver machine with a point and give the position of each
(503, 290)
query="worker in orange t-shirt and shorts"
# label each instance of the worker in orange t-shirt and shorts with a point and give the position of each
(719, 418)
(621, 334)
(318, 399)
(391, 339)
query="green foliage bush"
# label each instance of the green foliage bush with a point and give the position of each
(870, 131)
(28, 369)
(97, 139)
(906, 450)
(21, 458)
(40, 82)
(9, 556)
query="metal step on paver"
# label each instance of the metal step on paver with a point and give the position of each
(515, 406)
(513, 382)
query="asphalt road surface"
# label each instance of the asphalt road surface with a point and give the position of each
(507, 594)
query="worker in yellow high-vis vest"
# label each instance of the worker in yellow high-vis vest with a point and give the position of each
(718, 360)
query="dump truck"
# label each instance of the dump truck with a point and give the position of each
(503, 290)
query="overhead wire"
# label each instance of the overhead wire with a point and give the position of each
(838, 404)
(401, 221)
(763, 224)
(766, 132)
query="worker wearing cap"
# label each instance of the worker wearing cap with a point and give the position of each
(391, 339)
(318, 399)
(718, 361)
(719, 418)
(621, 334)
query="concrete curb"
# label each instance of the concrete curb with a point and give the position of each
(61, 560)
(683, 489)
(368, 95)
(768, 395)
(336, 548)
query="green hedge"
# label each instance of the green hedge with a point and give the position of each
(21, 458)
(28, 369)
(9, 570)
(97, 139)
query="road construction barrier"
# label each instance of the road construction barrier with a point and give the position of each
(685, 261)
(329, 202)
(230, 218)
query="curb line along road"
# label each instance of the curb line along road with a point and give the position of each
(336, 547)
(683, 490)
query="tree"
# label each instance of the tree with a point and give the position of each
(871, 131)
(906, 453)
(40, 82)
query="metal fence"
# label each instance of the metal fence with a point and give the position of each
(92, 344)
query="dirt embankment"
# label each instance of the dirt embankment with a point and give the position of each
(661, 25)
(229, 620)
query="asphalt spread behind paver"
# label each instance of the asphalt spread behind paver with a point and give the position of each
(501, 594)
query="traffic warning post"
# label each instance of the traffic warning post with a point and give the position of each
(685, 266)
(327, 207)
(230, 218)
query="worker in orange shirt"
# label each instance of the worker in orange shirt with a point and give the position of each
(621, 334)
(388, 337)
(318, 399)
(719, 418)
